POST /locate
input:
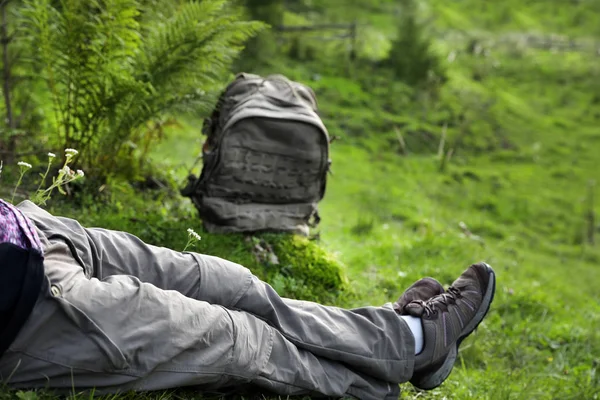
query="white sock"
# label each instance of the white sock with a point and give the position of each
(416, 328)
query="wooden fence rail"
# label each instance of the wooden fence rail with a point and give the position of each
(549, 42)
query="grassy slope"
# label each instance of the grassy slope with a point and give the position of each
(526, 203)
(401, 220)
(393, 218)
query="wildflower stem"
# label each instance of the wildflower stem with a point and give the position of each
(193, 237)
(17, 185)
(45, 175)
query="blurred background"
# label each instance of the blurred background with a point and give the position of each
(466, 130)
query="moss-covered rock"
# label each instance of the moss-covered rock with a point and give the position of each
(304, 269)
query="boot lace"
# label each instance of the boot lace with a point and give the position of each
(441, 301)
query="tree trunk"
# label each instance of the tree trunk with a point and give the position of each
(6, 87)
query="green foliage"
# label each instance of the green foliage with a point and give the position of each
(269, 11)
(111, 67)
(411, 57)
(262, 48)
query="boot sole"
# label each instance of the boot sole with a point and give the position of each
(437, 377)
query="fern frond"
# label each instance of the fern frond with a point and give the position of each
(111, 66)
(192, 50)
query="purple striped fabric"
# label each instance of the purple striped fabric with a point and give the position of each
(17, 229)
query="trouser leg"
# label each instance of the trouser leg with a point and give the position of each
(372, 340)
(120, 333)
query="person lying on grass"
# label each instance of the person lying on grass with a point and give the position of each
(97, 309)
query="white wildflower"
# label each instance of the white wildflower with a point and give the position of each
(66, 170)
(193, 234)
(80, 173)
(24, 164)
(51, 155)
(71, 152)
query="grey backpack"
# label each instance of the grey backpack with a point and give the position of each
(265, 160)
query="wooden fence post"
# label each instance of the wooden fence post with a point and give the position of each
(352, 33)
(590, 214)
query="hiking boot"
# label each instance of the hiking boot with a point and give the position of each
(423, 289)
(447, 319)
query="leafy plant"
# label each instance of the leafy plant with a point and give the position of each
(112, 66)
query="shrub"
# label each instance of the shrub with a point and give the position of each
(411, 57)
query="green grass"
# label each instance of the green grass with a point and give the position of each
(540, 339)
(518, 181)
(393, 218)
(523, 127)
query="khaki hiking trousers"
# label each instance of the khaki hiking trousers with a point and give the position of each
(116, 314)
